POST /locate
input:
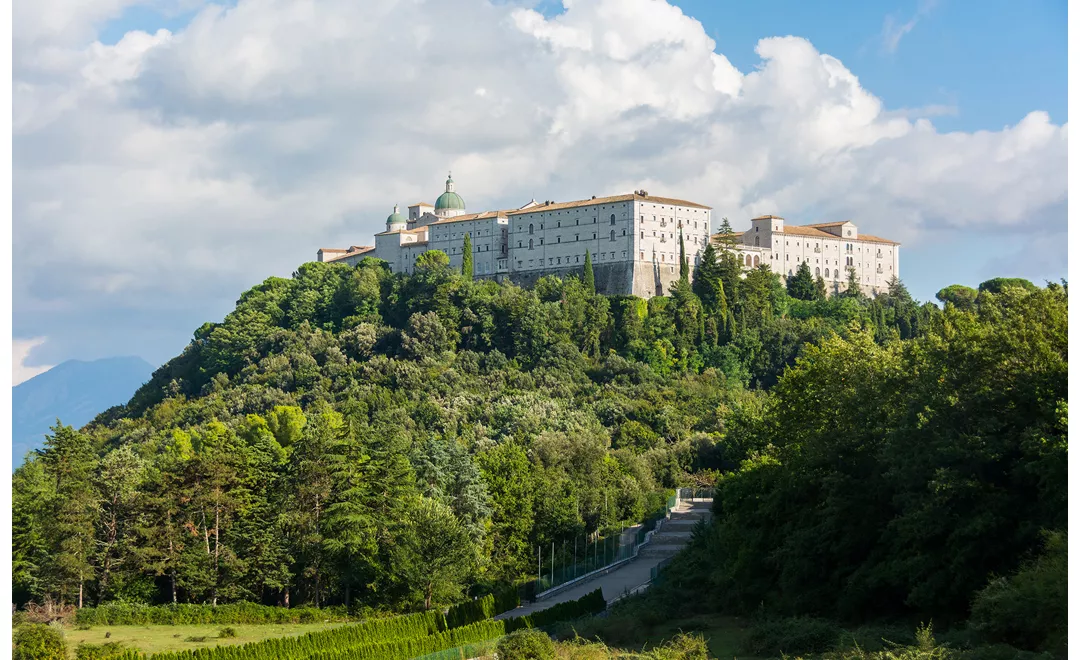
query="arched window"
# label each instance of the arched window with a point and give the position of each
(530, 243)
(749, 262)
(612, 218)
(530, 230)
(612, 233)
(826, 272)
(756, 261)
(817, 271)
(757, 241)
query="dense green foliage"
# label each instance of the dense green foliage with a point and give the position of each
(898, 480)
(36, 641)
(354, 437)
(135, 614)
(365, 439)
(527, 644)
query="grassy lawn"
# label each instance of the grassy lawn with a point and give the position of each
(174, 638)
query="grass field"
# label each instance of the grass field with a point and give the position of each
(176, 638)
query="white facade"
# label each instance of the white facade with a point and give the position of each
(633, 240)
(829, 249)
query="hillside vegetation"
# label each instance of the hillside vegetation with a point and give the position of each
(354, 437)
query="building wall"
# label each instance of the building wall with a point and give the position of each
(655, 253)
(487, 242)
(875, 263)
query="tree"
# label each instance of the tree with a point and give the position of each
(820, 292)
(434, 551)
(852, 289)
(70, 529)
(725, 236)
(432, 261)
(962, 297)
(119, 475)
(426, 336)
(467, 257)
(684, 267)
(999, 284)
(801, 285)
(590, 280)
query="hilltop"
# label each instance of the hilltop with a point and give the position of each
(351, 436)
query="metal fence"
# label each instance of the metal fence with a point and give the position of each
(568, 560)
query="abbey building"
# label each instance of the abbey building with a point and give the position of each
(633, 240)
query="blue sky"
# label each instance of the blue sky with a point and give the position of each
(254, 124)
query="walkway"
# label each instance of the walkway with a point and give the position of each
(673, 535)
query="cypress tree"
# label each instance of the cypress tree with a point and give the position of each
(819, 285)
(684, 267)
(853, 290)
(466, 257)
(590, 280)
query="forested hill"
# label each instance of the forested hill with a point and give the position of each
(354, 436)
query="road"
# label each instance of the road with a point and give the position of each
(673, 535)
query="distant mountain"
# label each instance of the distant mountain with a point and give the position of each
(75, 391)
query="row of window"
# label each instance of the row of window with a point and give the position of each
(578, 259)
(577, 238)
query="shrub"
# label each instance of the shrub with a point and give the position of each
(528, 644)
(470, 612)
(682, 647)
(795, 635)
(227, 632)
(131, 614)
(1028, 609)
(36, 641)
(106, 651)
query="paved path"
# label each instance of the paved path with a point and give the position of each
(673, 535)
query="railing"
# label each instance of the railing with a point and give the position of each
(561, 564)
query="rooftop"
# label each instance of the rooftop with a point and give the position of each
(556, 206)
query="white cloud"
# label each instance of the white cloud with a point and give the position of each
(20, 353)
(173, 169)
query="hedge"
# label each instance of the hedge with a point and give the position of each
(128, 614)
(396, 638)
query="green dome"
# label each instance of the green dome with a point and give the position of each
(395, 218)
(450, 200)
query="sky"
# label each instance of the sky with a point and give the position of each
(170, 154)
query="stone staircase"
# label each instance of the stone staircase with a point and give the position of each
(675, 532)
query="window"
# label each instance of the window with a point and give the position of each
(577, 237)
(612, 234)
(826, 272)
(558, 224)
(817, 271)
(530, 229)
(612, 218)
(519, 243)
(749, 261)
(624, 232)
(541, 240)
(642, 255)
(530, 243)
(558, 239)
(757, 241)
(642, 234)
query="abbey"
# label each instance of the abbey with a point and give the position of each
(829, 249)
(633, 240)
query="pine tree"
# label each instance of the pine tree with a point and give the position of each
(467, 257)
(801, 285)
(819, 285)
(684, 267)
(69, 461)
(590, 280)
(725, 236)
(707, 283)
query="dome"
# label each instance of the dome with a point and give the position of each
(449, 200)
(395, 219)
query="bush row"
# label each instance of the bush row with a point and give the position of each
(393, 639)
(126, 614)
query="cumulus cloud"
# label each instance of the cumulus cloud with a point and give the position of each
(158, 177)
(20, 354)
